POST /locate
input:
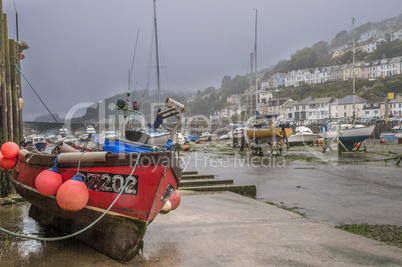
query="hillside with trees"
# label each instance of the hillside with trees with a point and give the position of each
(318, 55)
(210, 100)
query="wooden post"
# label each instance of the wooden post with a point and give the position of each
(8, 79)
(14, 94)
(3, 102)
(19, 94)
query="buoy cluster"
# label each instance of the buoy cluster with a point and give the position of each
(72, 195)
(8, 155)
(172, 203)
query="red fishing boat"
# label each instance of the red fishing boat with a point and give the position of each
(128, 184)
(153, 177)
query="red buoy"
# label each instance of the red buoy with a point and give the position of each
(6, 163)
(10, 150)
(186, 148)
(175, 199)
(73, 194)
(382, 141)
(48, 182)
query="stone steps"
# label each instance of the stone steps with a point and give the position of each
(201, 182)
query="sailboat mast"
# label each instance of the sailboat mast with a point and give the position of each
(255, 58)
(250, 90)
(157, 53)
(354, 76)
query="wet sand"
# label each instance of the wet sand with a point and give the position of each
(324, 191)
(331, 188)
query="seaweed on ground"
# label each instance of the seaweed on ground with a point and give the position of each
(389, 234)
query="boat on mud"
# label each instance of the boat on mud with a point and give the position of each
(120, 232)
(348, 136)
(302, 136)
(133, 180)
(263, 129)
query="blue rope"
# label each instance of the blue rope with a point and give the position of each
(82, 230)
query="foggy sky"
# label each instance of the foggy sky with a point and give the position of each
(81, 51)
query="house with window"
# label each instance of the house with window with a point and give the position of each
(397, 35)
(273, 106)
(274, 81)
(396, 106)
(344, 107)
(367, 35)
(372, 45)
(372, 109)
(310, 108)
(395, 66)
(365, 70)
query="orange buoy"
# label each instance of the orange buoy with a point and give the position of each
(196, 141)
(10, 150)
(73, 194)
(357, 145)
(6, 163)
(382, 141)
(175, 199)
(48, 182)
(186, 148)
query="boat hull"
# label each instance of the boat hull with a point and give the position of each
(155, 178)
(122, 242)
(40, 146)
(349, 138)
(159, 139)
(389, 136)
(302, 139)
(154, 139)
(268, 135)
(398, 135)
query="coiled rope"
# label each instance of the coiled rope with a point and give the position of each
(82, 230)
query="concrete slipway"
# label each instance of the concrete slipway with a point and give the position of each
(210, 229)
(227, 229)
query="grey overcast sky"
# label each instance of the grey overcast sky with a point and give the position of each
(81, 51)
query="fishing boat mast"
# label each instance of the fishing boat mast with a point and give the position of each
(157, 53)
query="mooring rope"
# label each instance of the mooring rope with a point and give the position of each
(82, 230)
(36, 93)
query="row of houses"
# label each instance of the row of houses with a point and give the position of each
(313, 108)
(368, 41)
(364, 70)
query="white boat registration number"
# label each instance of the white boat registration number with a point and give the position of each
(110, 182)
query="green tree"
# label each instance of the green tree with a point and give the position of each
(340, 39)
(321, 48)
(304, 58)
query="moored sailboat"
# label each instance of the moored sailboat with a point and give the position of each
(348, 136)
(262, 129)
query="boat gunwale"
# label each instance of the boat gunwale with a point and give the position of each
(164, 158)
